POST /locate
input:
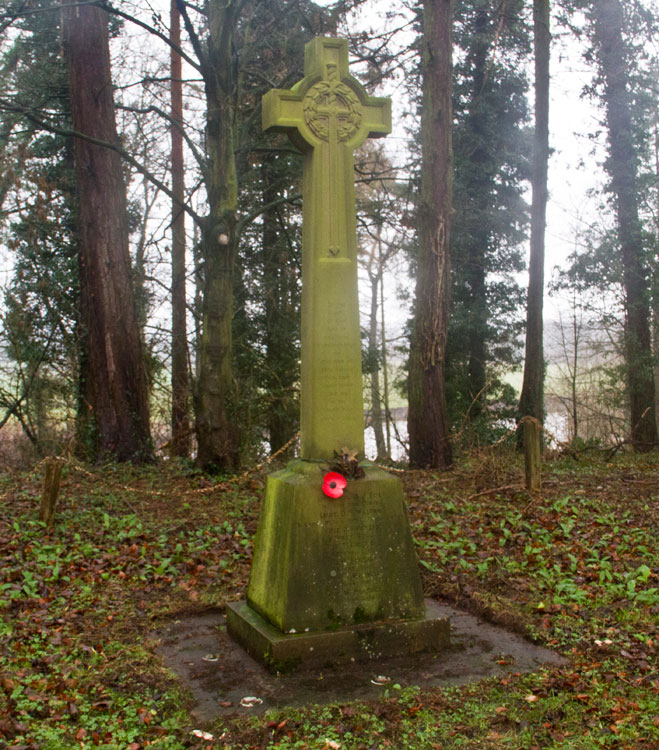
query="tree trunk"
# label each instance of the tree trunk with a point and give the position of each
(51, 485)
(115, 412)
(573, 382)
(180, 443)
(427, 418)
(531, 402)
(608, 25)
(215, 393)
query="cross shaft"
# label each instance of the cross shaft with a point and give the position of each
(328, 115)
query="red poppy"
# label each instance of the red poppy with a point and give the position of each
(334, 484)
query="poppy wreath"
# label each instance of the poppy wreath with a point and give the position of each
(346, 462)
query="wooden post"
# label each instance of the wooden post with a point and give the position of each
(51, 483)
(532, 459)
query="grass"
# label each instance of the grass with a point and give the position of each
(575, 567)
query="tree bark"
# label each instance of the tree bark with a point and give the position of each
(180, 443)
(532, 431)
(427, 418)
(385, 374)
(114, 422)
(608, 24)
(215, 397)
(531, 402)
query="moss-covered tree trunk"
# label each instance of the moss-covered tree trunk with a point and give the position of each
(531, 402)
(608, 25)
(215, 393)
(427, 419)
(114, 413)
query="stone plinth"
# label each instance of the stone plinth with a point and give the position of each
(282, 652)
(322, 563)
(333, 578)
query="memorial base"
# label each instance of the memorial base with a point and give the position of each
(322, 563)
(284, 652)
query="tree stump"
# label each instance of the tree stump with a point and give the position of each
(532, 456)
(51, 484)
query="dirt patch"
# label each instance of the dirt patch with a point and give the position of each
(220, 674)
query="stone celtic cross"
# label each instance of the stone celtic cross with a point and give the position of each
(328, 115)
(333, 580)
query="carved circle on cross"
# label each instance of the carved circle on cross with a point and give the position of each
(331, 105)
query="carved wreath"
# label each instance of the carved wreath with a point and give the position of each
(321, 95)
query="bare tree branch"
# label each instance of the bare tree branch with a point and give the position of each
(69, 132)
(115, 11)
(175, 123)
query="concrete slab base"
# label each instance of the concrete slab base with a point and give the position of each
(284, 652)
(219, 673)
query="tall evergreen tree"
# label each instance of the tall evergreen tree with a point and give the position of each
(270, 41)
(215, 395)
(428, 424)
(608, 24)
(180, 442)
(37, 189)
(489, 227)
(113, 376)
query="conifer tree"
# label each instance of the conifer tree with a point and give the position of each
(428, 424)
(490, 213)
(608, 24)
(115, 422)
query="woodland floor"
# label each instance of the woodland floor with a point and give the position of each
(574, 567)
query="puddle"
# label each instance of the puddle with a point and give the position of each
(225, 680)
